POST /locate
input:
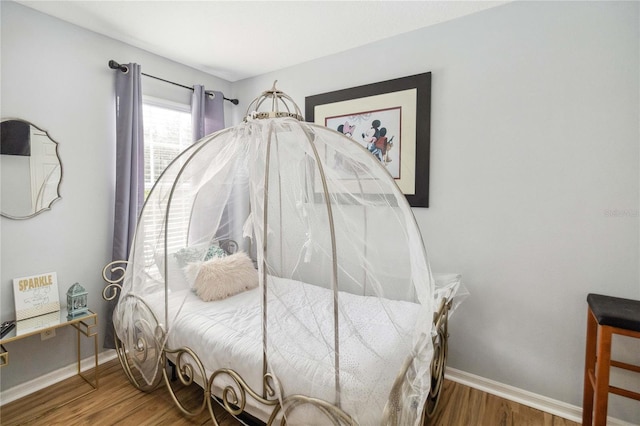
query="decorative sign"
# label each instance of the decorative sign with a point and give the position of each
(37, 323)
(36, 295)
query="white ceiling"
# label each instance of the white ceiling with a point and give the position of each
(240, 39)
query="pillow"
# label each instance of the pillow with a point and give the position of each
(176, 273)
(198, 253)
(215, 251)
(223, 277)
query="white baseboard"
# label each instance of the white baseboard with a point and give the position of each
(54, 377)
(530, 399)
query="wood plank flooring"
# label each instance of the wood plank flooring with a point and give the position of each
(116, 402)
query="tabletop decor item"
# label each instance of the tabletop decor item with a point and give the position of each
(76, 301)
(36, 295)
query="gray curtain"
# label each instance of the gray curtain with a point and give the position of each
(207, 116)
(207, 112)
(129, 195)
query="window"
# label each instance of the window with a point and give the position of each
(167, 132)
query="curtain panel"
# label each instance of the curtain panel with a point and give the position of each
(207, 112)
(129, 189)
(207, 116)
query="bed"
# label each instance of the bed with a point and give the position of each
(289, 285)
(227, 334)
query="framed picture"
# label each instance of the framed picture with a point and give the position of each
(392, 119)
(36, 295)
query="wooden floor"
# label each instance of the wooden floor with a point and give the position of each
(116, 402)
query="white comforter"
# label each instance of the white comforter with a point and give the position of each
(375, 338)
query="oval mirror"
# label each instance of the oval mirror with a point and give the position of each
(30, 169)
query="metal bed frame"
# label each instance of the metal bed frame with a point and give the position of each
(234, 396)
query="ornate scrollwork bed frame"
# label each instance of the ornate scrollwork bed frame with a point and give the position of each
(234, 396)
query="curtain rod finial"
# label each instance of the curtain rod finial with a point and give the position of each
(116, 66)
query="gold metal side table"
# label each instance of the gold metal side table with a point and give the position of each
(86, 324)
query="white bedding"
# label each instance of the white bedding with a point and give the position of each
(375, 338)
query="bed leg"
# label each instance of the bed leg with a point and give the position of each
(439, 361)
(174, 376)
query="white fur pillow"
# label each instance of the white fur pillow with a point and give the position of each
(223, 277)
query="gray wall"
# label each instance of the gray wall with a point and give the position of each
(534, 175)
(55, 75)
(534, 171)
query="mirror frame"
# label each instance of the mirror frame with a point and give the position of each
(58, 196)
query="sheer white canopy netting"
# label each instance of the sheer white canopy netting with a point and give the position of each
(343, 311)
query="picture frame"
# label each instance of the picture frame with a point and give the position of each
(402, 107)
(36, 295)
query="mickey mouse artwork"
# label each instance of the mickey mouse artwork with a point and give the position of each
(377, 142)
(377, 131)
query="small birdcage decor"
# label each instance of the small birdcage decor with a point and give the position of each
(76, 301)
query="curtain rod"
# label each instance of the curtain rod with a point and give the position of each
(116, 66)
